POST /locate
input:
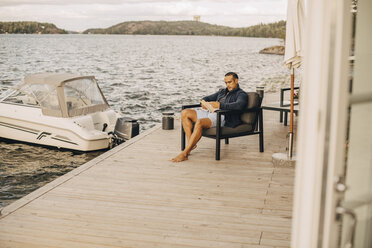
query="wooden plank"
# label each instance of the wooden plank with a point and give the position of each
(106, 237)
(207, 224)
(61, 240)
(127, 210)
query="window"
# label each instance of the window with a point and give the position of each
(82, 93)
(45, 94)
(18, 97)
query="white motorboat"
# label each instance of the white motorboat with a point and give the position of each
(62, 110)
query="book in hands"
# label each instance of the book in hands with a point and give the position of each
(208, 106)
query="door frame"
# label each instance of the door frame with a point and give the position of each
(322, 122)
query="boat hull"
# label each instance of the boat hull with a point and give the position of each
(48, 136)
(40, 130)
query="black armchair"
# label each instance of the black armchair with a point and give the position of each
(252, 124)
(282, 104)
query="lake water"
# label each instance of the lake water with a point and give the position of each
(141, 77)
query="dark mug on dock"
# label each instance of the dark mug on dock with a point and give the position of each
(168, 120)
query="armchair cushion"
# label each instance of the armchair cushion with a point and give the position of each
(229, 130)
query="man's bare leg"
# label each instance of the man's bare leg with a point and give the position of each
(195, 137)
(188, 118)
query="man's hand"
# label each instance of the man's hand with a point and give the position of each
(215, 104)
(202, 104)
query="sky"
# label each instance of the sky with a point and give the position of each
(79, 15)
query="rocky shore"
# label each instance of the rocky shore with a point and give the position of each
(278, 50)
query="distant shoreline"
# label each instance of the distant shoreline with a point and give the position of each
(186, 35)
(189, 28)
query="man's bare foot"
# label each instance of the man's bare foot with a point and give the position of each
(181, 157)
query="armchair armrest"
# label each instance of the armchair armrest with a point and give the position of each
(223, 111)
(191, 106)
(288, 88)
(282, 95)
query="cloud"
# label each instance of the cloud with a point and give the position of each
(79, 2)
(118, 2)
(66, 2)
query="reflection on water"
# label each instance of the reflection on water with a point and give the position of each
(24, 168)
(141, 77)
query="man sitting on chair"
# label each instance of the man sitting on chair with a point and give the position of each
(230, 98)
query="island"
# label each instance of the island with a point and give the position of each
(278, 50)
(29, 28)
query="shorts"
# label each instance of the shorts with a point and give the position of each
(202, 113)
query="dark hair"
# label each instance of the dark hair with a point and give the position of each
(232, 74)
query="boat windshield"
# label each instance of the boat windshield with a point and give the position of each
(18, 97)
(81, 95)
(36, 95)
(45, 95)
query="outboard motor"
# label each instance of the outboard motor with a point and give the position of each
(126, 128)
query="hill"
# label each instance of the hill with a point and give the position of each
(272, 30)
(163, 28)
(30, 28)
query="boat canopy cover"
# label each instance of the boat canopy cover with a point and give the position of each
(55, 79)
(64, 94)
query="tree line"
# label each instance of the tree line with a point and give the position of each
(270, 30)
(30, 28)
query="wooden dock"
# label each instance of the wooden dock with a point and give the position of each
(134, 196)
